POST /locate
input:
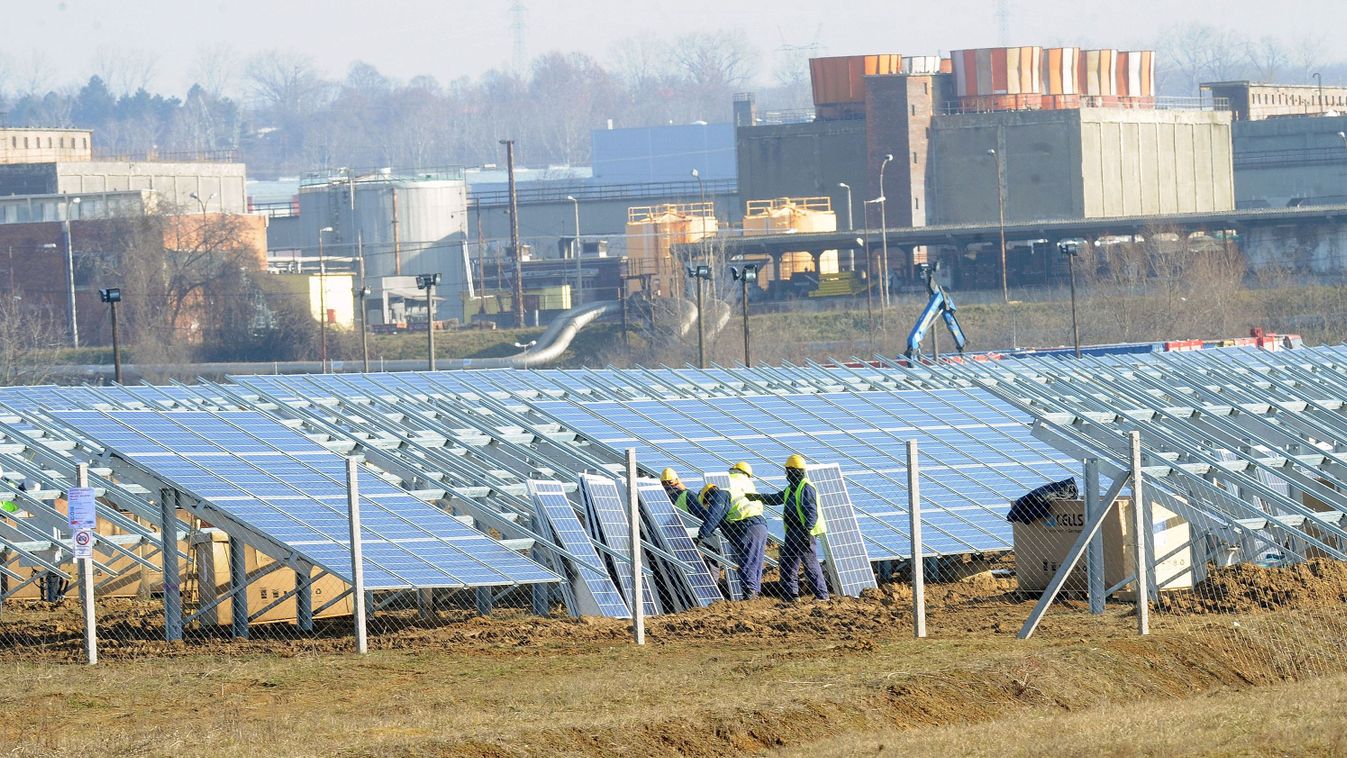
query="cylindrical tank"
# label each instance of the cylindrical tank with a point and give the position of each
(1097, 76)
(1136, 78)
(839, 82)
(652, 231)
(999, 78)
(798, 214)
(406, 224)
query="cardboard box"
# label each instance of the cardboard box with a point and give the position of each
(1041, 547)
(212, 563)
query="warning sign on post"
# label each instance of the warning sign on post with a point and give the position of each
(82, 509)
(84, 543)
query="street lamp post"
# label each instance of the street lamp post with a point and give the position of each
(427, 282)
(1001, 218)
(112, 296)
(578, 249)
(870, 269)
(883, 222)
(1070, 250)
(72, 315)
(746, 275)
(322, 299)
(362, 293)
(200, 202)
(702, 273)
(851, 222)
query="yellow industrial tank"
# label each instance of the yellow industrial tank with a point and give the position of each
(800, 215)
(652, 231)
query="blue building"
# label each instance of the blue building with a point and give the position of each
(663, 153)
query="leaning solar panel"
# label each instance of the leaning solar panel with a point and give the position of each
(978, 450)
(672, 534)
(590, 586)
(270, 485)
(611, 526)
(847, 560)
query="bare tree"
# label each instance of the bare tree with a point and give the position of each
(216, 69)
(30, 340)
(287, 84)
(126, 71)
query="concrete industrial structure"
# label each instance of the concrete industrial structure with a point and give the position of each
(45, 145)
(1081, 163)
(1254, 101)
(218, 186)
(1290, 161)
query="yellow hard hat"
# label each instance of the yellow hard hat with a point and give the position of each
(795, 461)
(702, 495)
(669, 476)
(742, 467)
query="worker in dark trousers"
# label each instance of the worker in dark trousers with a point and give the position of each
(746, 530)
(804, 524)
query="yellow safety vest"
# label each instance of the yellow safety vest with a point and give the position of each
(798, 494)
(681, 502)
(740, 506)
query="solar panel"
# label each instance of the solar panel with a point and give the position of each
(593, 590)
(610, 525)
(671, 534)
(263, 482)
(848, 563)
(981, 449)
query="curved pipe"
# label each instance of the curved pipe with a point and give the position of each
(551, 343)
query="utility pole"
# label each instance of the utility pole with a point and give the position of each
(71, 315)
(518, 290)
(579, 250)
(427, 282)
(1001, 218)
(884, 222)
(1070, 250)
(322, 299)
(360, 257)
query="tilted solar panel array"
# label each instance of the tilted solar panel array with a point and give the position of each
(671, 532)
(977, 452)
(255, 474)
(611, 526)
(593, 590)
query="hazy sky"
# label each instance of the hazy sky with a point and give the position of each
(449, 38)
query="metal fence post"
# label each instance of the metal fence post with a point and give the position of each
(637, 576)
(1140, 527)
(914, 526)
(87, 585)
(1094, 557)
(168, 534)
(357, 557)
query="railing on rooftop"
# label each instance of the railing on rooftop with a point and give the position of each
(993, 103)
(381, 174)
(275, 208)
(180, 156)
(557, 193)
(788, 116)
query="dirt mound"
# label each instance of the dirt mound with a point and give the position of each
(1314, 584)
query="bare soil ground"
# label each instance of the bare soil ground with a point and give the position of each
(731, 679)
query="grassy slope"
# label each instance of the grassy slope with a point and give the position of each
(700, 697)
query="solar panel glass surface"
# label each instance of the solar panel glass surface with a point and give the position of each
(554, 509)
(264, 478)
(673, 535)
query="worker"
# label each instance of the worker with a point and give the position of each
(678, 493)
(804, 524)
(744, 528)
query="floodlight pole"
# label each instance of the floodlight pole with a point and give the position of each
(914, 529)
(87, 585)
(748, 355)
(637, 575)
(1094, 556)
(430, 325)
(1070, 250)
(112, 296)
(701, 322)
(357, 554)
(1141, 531)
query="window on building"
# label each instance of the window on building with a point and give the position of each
(49, 143)
(916, 203)
(914, 110)
(925, 88)
(914, 156)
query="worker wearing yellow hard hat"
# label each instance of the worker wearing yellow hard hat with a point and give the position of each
(740, 520)
(682, 498)
(804, 523)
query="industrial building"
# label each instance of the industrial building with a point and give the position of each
(990, 136)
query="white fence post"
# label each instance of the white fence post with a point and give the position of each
(1141, 527)
(914, 528)
(637, 575)
(357, 556)
(86, 566)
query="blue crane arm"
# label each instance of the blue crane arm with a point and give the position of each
(952, 322)
(934, 307)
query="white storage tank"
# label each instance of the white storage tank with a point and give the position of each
(406, 223)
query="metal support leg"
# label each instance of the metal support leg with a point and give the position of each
(425, 604)
(485, 600)
(304, 599)
(238, 589)
(86, 567)
(168, 532)
(1095, 554)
